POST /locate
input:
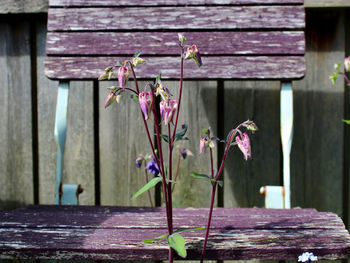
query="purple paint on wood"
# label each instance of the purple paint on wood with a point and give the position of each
(94, 242)
(184, 18)
(67, 3)
(238, 67)
(156, 43)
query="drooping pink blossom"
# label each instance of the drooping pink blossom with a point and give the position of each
(192, 52)
(244, 145)
(347, 64)
(167, 110)
(145, 100)
(123, 76)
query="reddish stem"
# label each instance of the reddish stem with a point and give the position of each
(170, 177)
(180, 94)
(228, 145)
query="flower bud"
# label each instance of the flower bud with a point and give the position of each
(138, 61)
(347, 64)
(192, 52)
(123, 76)
(152, 166)
(205, 143)
(167, 110)
(146, 100)
(138, 161)
(110, 99)
(182, 38)
(250, 125)
(162, 91)
(244, 145)
(183, 152)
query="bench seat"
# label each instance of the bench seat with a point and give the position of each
(116, 233)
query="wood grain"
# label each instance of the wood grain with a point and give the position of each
(137, 18)
(23, 6)
(156, 43)
(318, 129)
(260, 67)
(69, 3)
(257, 101)
(16, 155)
(122, 139)
(79, 152)
(117, 234)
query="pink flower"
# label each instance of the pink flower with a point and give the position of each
(244, 145)
(347, 64)
(204, 143)
(112, 97)
(145, 100)
(167, 110)
(123, 76)
(192, 52)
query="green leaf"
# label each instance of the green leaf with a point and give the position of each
(346, 121)
(207, 177)
(177, 242)
(205, 131)
(135, 98)
(119, 64)
(200, 176)
(165, 137)
(179, 134)
(158, 77)
(154, 239)
(147, 186)
(137, 54)
(192, 229)
(334, 77)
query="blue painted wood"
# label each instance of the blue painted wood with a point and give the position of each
(60, 132)
(286, 136)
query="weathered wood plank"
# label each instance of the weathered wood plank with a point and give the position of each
(122, 139)
(67, 3)
(230, 238)
(164, 18)
(79, 153)
(184, 219)
(318, 111)
(213, 43)
(198, 110)
(326, 3)
(260, 67)
(243, 179)
(23, 6)
(16, 155)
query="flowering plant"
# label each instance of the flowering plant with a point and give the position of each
(168, 109)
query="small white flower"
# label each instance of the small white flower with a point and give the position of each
(306, 257)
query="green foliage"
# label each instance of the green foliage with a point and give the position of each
(335, 75)
(207, 177)
(137, 54)
(179, 134)
(177, 242)
(346, 121)
(119, 64)
(147, 186)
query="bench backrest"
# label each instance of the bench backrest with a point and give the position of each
(238, 39)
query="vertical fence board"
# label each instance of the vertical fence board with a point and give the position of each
(122, 139)
(16, 158)
(316, 158)
(79, 151)
(257, 101)
(198, 110)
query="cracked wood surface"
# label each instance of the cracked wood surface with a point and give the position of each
(116, 233)
(240, 39)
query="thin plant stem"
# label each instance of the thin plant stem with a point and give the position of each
(180, 93)
(143, 118)
(148, 191)
(211, 162)
(170, 176)
(228, 145)
(177, 170)
(346, 78)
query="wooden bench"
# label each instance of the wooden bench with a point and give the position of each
(116, 233)
(238, 39)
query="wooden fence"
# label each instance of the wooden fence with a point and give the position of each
(102, 143)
